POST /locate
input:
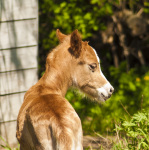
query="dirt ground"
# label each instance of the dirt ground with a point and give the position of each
(89, 143)
(96, 143)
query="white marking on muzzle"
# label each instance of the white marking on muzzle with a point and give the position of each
(105, 92)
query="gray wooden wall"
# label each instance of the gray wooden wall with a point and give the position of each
(18, 59)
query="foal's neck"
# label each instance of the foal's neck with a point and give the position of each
(56, 80)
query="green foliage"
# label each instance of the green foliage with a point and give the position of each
(131, 88)
(86, 15)
(68, 15)
(146, 8)
(137, 131)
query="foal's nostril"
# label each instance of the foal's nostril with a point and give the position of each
(111, 90)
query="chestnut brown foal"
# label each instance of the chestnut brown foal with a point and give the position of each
(46, 120)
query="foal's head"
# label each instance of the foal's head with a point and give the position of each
(84, 67)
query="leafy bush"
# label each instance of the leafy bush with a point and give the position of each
(85, 15)
(68, 15)
(137, 132)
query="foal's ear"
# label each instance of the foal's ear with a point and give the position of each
(60, 35)
(75, 44)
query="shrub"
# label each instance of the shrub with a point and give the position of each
(137, 132)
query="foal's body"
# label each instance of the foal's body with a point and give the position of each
(46, 120)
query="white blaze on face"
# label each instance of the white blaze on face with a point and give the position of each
(106, 90)
(96, 54)
(99, 64)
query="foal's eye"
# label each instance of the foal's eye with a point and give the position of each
(93, 67)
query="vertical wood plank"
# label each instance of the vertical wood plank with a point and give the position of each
(18, 54)
(18, 9)
(18, 34)
(18, 58)
(17, 81)
(8, 133)
(9, 106)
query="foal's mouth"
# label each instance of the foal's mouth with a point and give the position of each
(105, 92)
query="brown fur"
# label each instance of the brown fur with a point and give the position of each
(46, 120)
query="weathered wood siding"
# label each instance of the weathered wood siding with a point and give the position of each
(18, 59)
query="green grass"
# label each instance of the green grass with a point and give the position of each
(6, 145)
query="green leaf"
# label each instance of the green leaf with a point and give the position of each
(139, 117)
(132, 134)
(63, 4)
(128, 124)
(94, 1)
(87, 16)
(143, 145)
(132, 86)
(146, 3)
(146, 10)
(118, 128)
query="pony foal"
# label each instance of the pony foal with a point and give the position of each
(46, 120)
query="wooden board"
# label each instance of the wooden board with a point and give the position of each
(8, 132)
(18, 58)
(18, 34)
(17, 81)
(12, 104)
(18, 9)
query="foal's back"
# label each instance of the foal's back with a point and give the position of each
(50, 123)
